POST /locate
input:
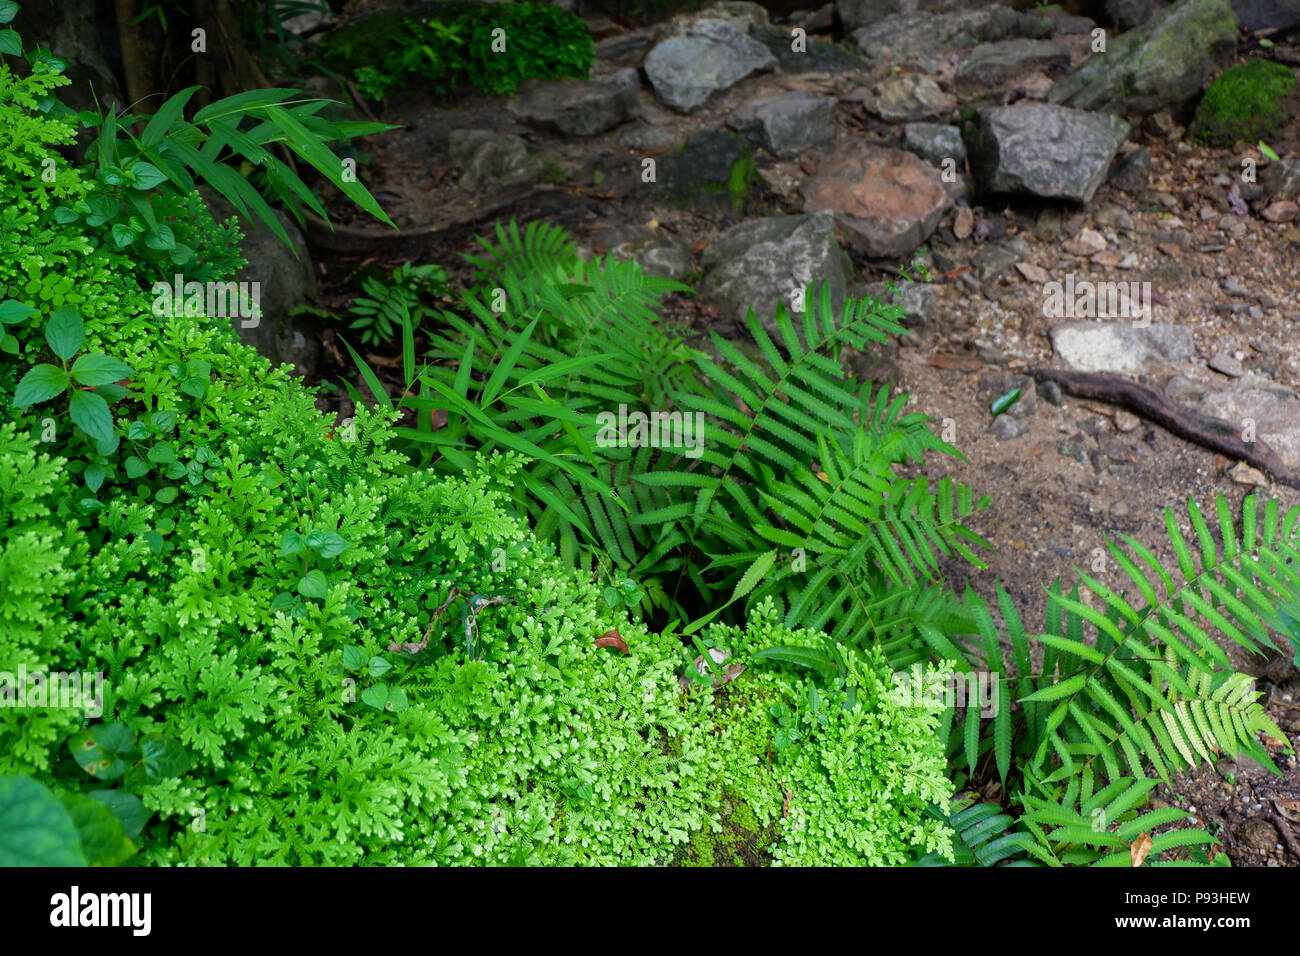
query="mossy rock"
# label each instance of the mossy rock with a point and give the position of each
(713, 169)
(1243, 104)
(743, 841)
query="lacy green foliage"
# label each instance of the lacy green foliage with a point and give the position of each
(862, 768)
(1244, 103)
(446, 44)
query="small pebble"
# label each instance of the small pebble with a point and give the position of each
(1126, 421)
(1051, 393)
(1006, 427)
(1119, 509)
(1227, 365)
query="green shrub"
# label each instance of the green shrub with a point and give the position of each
(446, 44)
(1243, 104)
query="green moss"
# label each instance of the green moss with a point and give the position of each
(1244, 103)
(741, 840)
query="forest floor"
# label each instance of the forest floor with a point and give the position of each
(1079, 471)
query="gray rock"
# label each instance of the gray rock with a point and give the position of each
(916, 299)
(924, 39)
(855, 14)
(710, 55)
(1163, 63)
(659, 252)
(1267, 14)
(992, 63)
(577, 107)
(1225, 364)
(1006, 427)
(1132, 172)
(992, 260)
(283, 282)
(491, 159)
(1119, 346)
(1051, 393)
(1281, 180)
(935, 142)
(1274, 410)
(887, 201)
(644, 136)
(1127, 14)
(1185, 390)
(1069, 449)
(1046, 151)
(710, 172)
(787, 124)
(758, 262)
(625, 47)
(904, 97)
(750, 14)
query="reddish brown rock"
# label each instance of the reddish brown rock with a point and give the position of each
(887, 201)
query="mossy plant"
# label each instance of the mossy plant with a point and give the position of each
(1243, 104)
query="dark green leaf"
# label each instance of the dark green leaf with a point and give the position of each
(90, 413)
(313, 584)
(35, 829)
(95, 369)
(40, 384)
(1004, 401)
(127, 807)
(65, 332)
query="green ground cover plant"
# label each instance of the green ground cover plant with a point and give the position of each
(523, 638)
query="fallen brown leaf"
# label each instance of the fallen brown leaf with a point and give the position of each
(957, 363)
(1140, 848)
(613, 639)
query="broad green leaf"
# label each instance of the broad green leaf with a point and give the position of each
(65, 332)
(40, 384)
(35, 829)
(95, 369)
(90, 413)
(313, 584)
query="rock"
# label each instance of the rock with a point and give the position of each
(1281, 180)
(992, 63)
(776, 257)
(1068, 449)
(1259, 15)
(1046, 151)
(1243, 474)
(994, 384)
(488, 159)
(924, 39)
(1225, 364)
(647, 138)
(750, 14)
(1184, 390)
(1119, 346)
(1132, 172)
(992, 260)
(1051, 393)
(887, 200)
(577, 107)
(855, 14)
(1086, 243)
(710, 55)
(1033, 272)
(1232, 285)
(283, 282)
(787, 124)
(904, 97)
(1282, 210)
(1275, 411)
(1126, 421)
(1163, 63)
(1006, 427)
(963, 222)
(935, 142)
(658, 251)
(624, 48)
(712, 170)
(1127, 14)
(1119, 509)
(916, 299)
